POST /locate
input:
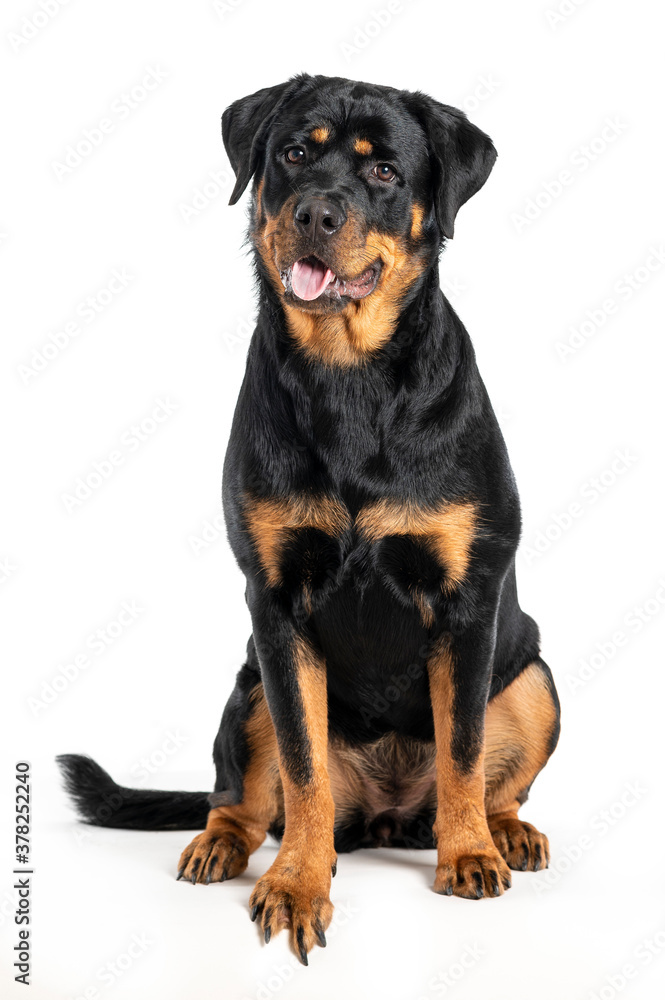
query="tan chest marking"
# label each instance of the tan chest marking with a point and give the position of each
(447, 529)
(272, 522)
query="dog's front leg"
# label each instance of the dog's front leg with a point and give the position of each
(468, 863)
(296, 887)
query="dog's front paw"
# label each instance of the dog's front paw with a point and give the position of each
(214, 856)
(294, 894)
(472, 875)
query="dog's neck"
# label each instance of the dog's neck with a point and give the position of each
(408, 400)
(376, 332)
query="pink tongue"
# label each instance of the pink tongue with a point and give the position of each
(309, 278)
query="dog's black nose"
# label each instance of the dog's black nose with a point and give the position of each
(318, 217)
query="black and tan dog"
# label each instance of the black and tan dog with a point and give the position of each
(393, 692)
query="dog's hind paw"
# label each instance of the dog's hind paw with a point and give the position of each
(521, 844)
(214, 856)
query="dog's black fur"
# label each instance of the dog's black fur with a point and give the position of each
(408, 423)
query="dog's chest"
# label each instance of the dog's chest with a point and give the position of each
(308, 544)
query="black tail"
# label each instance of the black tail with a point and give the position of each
(100, 801)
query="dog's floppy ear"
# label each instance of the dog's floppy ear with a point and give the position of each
(462, 156)
(245, 126)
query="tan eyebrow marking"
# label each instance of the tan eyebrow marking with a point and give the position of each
(320, 134)
(363, 146)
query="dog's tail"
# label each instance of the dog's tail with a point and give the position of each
(100, 801)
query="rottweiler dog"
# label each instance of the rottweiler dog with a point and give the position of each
(393, 692)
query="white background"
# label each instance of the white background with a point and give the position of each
(545, 91)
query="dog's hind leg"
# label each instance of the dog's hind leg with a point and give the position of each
(521, 731)
(246, 758)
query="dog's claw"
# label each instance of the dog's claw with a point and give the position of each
(285, 897)
(302, 951)
(181, 872)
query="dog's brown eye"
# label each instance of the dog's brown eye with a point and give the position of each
(384, 172)
(296, 154)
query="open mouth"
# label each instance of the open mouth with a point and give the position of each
(309, 278)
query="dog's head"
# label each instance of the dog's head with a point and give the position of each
(356, 187)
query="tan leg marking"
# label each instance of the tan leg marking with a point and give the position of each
(518, 731)
(296, 887)
(234, 832)
(468, 863)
